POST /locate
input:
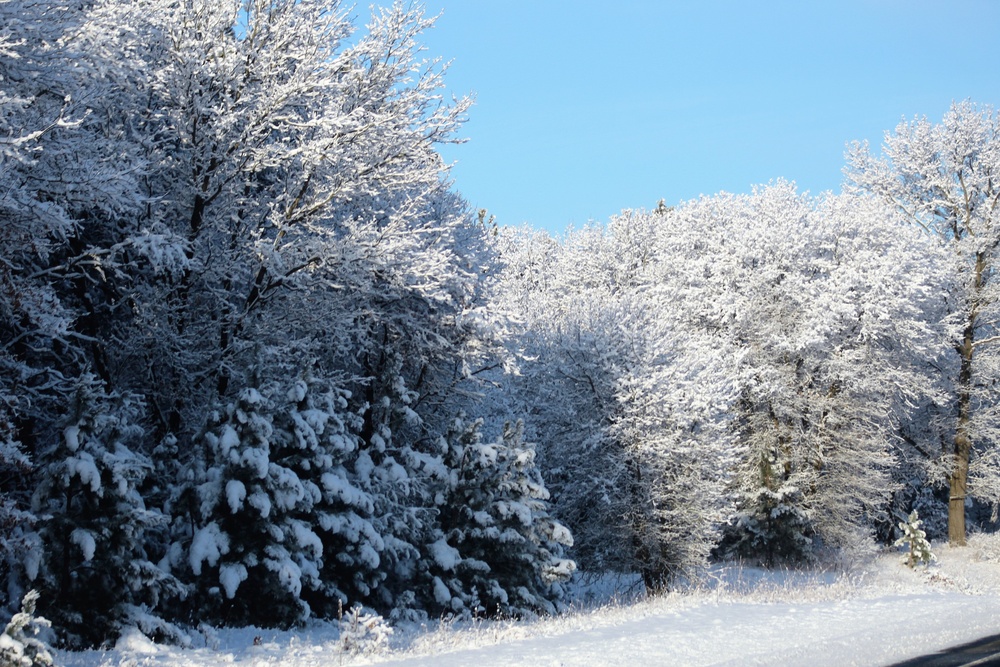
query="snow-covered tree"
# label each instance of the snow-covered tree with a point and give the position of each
(319, 438)
(625, 408)
(944, 179)
(362, 633)
(565, 337)
(498, 549)
(283, 176)
(54, 176)
(915, 540)
(253, 549)
(765, 343)
(828, 337)
(20, 645)
(676, 431)
(200, 201)
(89, 562)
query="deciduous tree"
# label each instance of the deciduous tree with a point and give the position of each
(944, 179)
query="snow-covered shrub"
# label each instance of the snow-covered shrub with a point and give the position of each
(363, 633)
(915, 541)
(986, 546)
(20, 645)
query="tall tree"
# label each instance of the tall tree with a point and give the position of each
(60, 175)
(825, 336)
(945, 179)
(758, 349)
(626, 408)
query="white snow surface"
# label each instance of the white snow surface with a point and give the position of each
(876, 615)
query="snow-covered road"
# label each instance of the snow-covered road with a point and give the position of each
(848, 632)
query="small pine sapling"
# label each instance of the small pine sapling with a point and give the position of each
(19, 643)
(362, 633)
(915, 539)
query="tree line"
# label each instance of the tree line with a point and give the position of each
(772, 376)
(260, 362)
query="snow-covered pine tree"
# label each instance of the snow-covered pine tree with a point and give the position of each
(773, 526)
(250, 553)
(362, 632)
(915, 540)
(93, 574)
(395, 466)
(499, 551)
(316, 436)
(20, 645)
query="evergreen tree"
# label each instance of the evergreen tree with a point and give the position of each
(774, 526)
(915, 541)
(20, 645)
(396, 464)
(499, 549)
(94, 575)
(316, 437)
(250, 555)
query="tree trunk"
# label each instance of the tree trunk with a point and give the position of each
(958, 479)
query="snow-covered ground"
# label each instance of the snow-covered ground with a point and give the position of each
(879, 615)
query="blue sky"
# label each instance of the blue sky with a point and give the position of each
(587, 107)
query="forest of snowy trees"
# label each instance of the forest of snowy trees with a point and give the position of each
(259, 362)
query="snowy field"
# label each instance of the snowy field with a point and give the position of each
(876, 616)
